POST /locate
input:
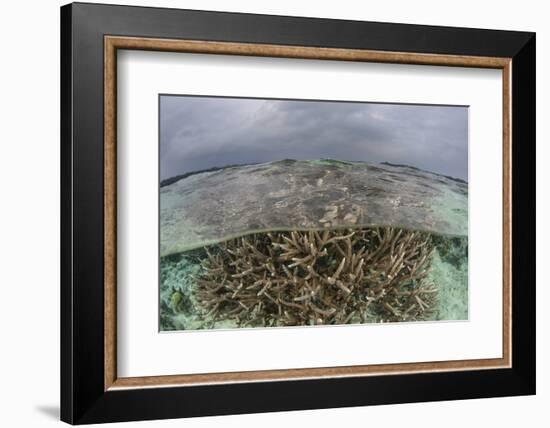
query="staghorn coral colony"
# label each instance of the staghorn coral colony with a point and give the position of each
(318, 277)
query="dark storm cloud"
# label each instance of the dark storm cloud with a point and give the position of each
(197, 133)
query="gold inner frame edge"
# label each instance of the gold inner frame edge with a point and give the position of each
(113, 43)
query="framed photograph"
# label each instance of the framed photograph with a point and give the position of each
(265, 213)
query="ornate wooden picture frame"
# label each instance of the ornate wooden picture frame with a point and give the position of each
(91, 389)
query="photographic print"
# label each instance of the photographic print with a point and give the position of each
(285, 213)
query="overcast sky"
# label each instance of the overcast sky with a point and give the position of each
(197, 133)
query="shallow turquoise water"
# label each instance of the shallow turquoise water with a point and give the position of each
(449, 271)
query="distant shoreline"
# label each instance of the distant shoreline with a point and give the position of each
(176, 178)
(458, 180)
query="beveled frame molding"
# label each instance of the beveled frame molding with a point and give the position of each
(113, 43)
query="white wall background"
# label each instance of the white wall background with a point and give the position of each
(29, 218)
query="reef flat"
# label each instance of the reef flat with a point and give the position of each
(213, 206)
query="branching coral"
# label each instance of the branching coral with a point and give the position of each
(318, 277)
